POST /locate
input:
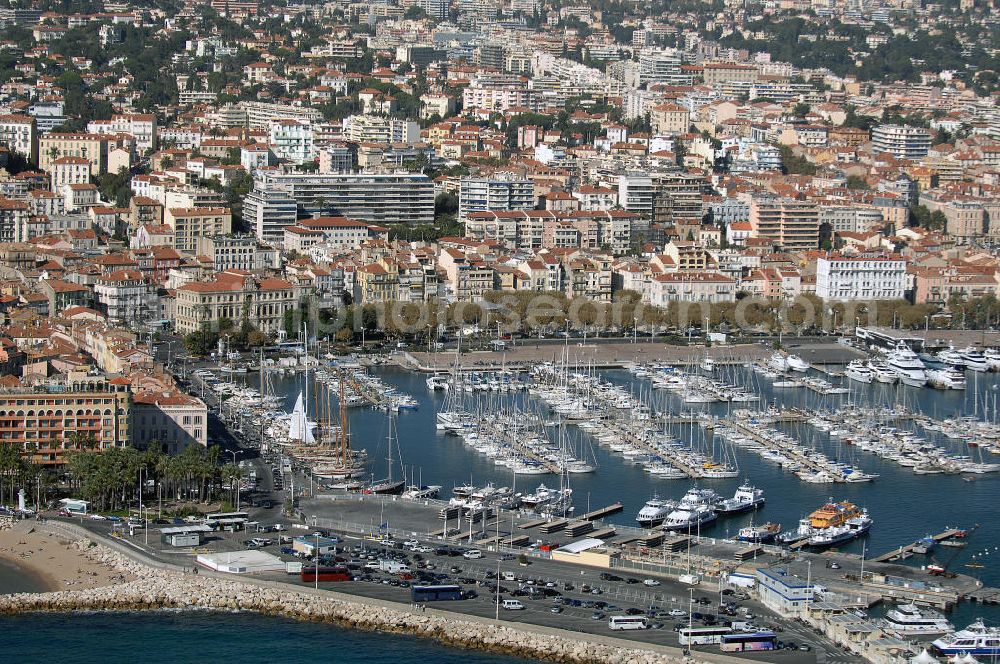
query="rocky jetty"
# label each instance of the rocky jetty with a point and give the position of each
(154, 588)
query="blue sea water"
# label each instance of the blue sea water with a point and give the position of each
(177, 637)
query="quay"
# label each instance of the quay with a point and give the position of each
(985, 595)
(766, 442)
(898, 553)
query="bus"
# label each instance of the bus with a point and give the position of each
(748, 642)
(699, 636)
(627, 622)
(436, 593)
(227, 520)
(336, 573)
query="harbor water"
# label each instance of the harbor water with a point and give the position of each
(904, 506)
(167, 637)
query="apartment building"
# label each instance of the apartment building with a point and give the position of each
(237, 252)
(691, 286)
(68, 170)
(20, 134)
(268, 212)
(92, 147)
(380, 129)
(340, 233)
(670, 119)
(191, 224)
(499, 193)
(861, 277)
(381, 198)
(536, 229)
(791, 224)
(901, 141)
(166, 418)
(142, 126)
(235, 296)
(292, 140)
(53, 419)
(126, 298)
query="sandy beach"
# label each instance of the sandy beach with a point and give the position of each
(38, 562)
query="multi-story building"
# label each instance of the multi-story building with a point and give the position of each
(661, 67)
(381, 198)
(258, 115)
(126, 298)
(268, 212)
(167, 419)
(691, 286)
(669, 119)
(380, 129)
(537, 229)
(494, 194)
(191, 224)
(92, 147)
(68, 170)
(51, 420)
(20, 134)
(861, 277)
(340, 233)
(292, 140)
(791, 224)
(235, 296)
(13, 220)
(901, 141)
(237, 252)
(336, 158)
(851, 218)
(595, 198)
(142, 126)
(496, 95)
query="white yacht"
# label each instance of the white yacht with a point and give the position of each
(437, 382)
(882, 373)
(974, 359)
(946, 379)
(951, 357)
(708, 364)
(778, 362)
(859, 371)
(654, 512)
(907, 365)
(796, 363)
(745, 499)
(694, 510)
(992, 356)
(911, 620)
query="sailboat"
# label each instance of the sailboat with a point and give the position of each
(389, 485)
(300, 429)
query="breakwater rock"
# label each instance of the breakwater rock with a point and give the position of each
(154, 588)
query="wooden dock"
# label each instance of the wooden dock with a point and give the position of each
(885, 557)
(603, 512)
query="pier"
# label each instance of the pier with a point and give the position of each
(804, 461)
(901, 551)
(693, 473)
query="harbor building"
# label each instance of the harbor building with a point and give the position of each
(784, 594)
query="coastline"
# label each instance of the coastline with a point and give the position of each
(134, 586)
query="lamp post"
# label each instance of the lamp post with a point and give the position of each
(236, 481)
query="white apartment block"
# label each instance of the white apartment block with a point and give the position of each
(20, 134)
(140, 125)
(292, 140)
(380, 129)
(861, 277)
(69, 170)
(494, 194)
(901, 141)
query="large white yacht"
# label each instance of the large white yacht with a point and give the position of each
(948, 378)
(882, 373)
(859, 371)
(907, 365)
(974, 359)
(796, 363)
(911, 620)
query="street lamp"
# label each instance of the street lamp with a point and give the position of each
(236, 481)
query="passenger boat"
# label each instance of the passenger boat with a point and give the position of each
(745, 499)
(952, 358)
(759, 534)
(654, 512)
(911, 620)
(977, 640)
(695, 509)
(859, 371)
(852, 529)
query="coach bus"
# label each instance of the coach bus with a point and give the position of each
(627, 622)
(700, 636)
(748, 642)
(312, 574)
(436, 593)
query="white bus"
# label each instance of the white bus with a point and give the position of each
(627, 622)
(227, 520)
(702, 635)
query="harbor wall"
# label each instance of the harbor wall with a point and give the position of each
(159, 585)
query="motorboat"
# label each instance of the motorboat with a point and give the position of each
(859, 371)
(952, 358)
(759, 534)
(946, 379)
(746, 499)
(654, 512)
(437, 382)
(907, 365)
(912, 620)
(974, 359)
(977, 640)
(707, 364)
(992, 356)
(796, 363)
(778, 362)
(882, 373)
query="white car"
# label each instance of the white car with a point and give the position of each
(651, 583)
(473, 554)
(411, 544)
(422, 549)
(677, 613)
(97, 517)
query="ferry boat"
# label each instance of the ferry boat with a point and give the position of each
(852, 529)
(977, 640)
(834, 514)
(695, 509)
(907, 365)
(859, 371)
(745, 499)
(974, 359)
(911, 620)
(654, 512)
(759, 534)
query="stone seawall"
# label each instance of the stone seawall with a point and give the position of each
(164, 588)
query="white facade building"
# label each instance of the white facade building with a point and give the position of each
(861, 277)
